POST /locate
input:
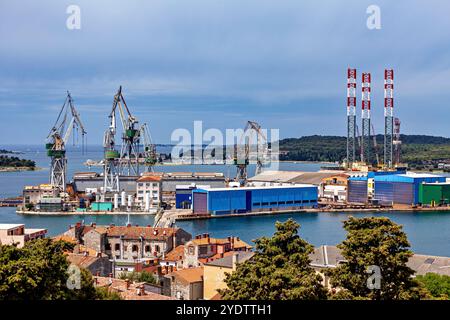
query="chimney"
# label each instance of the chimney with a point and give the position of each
(99, 254)
(129, 225)
(235, 260)
(229, 239)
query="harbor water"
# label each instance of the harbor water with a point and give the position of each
(428, 232)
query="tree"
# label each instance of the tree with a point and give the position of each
(437, 285)
(279, 270)
(374, 244)
(143, 276)
(38, 271)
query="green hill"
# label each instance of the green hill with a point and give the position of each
(416, 149)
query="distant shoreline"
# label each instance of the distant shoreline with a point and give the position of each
(19, 169)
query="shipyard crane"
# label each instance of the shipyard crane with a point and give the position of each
(67, 121)
(242, 151)
(127, 161)
(149, 154)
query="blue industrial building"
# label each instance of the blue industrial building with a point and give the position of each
(183, 197)
(220, 201)
(357, 189)
(402, 188)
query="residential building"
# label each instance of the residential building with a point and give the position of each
(128, 245)
(204, 248)
(17, 234)
(214, 272)
(185, 284)
(99, 264)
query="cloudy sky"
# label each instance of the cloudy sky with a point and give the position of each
(281, 63)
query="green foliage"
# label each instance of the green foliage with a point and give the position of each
(103, 294)
(15, 162)
(279, 270)
(437, 285)
(143, 276)
(375, 241)
(38, 271)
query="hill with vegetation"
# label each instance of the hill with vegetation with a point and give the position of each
(417, 150)
(15, 162)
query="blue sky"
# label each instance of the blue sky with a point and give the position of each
(281, 63)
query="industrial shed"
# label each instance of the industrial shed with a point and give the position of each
(220, 201)
(267, 178)
(402, 188)
(434, 193)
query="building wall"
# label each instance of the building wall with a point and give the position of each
(101, 266)
(237, 200)
(145, 249)
(153, 188)
(357, 191)
(213, 279)
(95, 240)
(434, 194)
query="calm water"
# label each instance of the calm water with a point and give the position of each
(428, 232)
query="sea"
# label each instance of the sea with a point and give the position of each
(428, 232)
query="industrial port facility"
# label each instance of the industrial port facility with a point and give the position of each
(128, 183)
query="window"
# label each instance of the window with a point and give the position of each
(117, 247)
(290, 202)
(256, 203)
(191, 250)
(157, 248)
(265, 203)
(134, 248)
(298, 201)
(203, 250)
(148, 248)
(141, 184)
(273, 203)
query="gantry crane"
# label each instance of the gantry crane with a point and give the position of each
(242, 153)
(68, 120)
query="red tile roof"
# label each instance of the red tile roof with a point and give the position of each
(176, 254)
(133, 232)
(189, 275)
(149, 178)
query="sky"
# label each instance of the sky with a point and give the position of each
(280, 63)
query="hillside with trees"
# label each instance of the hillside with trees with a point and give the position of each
(15, 162)
(417, 150)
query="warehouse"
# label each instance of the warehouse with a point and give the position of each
(402, 188)
(221, 201)
(434, 193)
(357, 189)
